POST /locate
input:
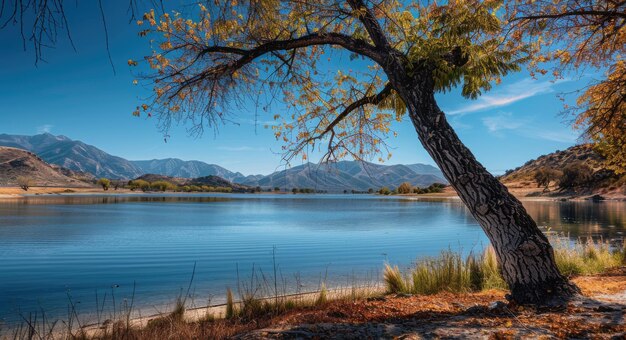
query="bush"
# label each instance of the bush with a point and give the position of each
(104, 183)
(139, 184)
(405, 188)
(24, 182)
(544, 176)
(575, 175)
(162, 185)
(384, 191)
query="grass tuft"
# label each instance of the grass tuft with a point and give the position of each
(450, 272)
(586, 257)
(230, 304)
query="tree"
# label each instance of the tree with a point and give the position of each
(24, 182)
(162, 185)
(104, 183)
(139, 184)
(544, 176)
(583, 34)
(405, 188)
(201, 67)
(575, 175)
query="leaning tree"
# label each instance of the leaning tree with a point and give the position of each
(401, 53)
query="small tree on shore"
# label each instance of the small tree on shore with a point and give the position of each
(24, 182)
(405, 188)
(575, 175)
(105, 183)
(545, 176)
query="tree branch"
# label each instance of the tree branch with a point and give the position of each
(247, 56)
(371, 24)
(580, 12)
(373, 100)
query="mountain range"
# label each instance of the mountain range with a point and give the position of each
(345, 175)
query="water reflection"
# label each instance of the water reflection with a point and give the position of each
(581, 218)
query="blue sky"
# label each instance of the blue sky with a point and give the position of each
(76, 94)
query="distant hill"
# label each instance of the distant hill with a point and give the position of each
(556, 160)
(603, 180)
(16, 163)
(345, 175)
(73, 155)
(175, 167)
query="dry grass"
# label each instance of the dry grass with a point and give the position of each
(451, 272)
(263, 301)
(586, 257)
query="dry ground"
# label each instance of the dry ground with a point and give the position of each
(599, 314)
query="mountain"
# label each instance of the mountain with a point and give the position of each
(16, 163)
(73, 155)
(175, 167)
(344, 175)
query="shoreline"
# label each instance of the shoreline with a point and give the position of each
(603, 296)
(524, 194)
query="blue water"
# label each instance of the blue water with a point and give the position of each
(58, 249)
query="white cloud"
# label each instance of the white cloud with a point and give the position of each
(505, 121)
(508, 94)
(46, 128)
(556, 136)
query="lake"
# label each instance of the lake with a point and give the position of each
(57, 249)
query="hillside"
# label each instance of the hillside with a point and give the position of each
(602, 180)
(15, 163)
(175, 167)
(73, 155)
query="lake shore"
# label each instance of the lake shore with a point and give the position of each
(521, 192)
(597, 313)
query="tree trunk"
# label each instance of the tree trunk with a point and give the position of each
(524, 252)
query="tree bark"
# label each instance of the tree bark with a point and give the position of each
(524, 253)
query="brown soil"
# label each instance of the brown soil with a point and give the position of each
(599, 314)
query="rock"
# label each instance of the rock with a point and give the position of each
(403, 295)
(476, 310)
(497, 306)
(377, 298)
(336, 314)
(597, 198)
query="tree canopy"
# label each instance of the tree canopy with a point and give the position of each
(583, 34)
(270, 50)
